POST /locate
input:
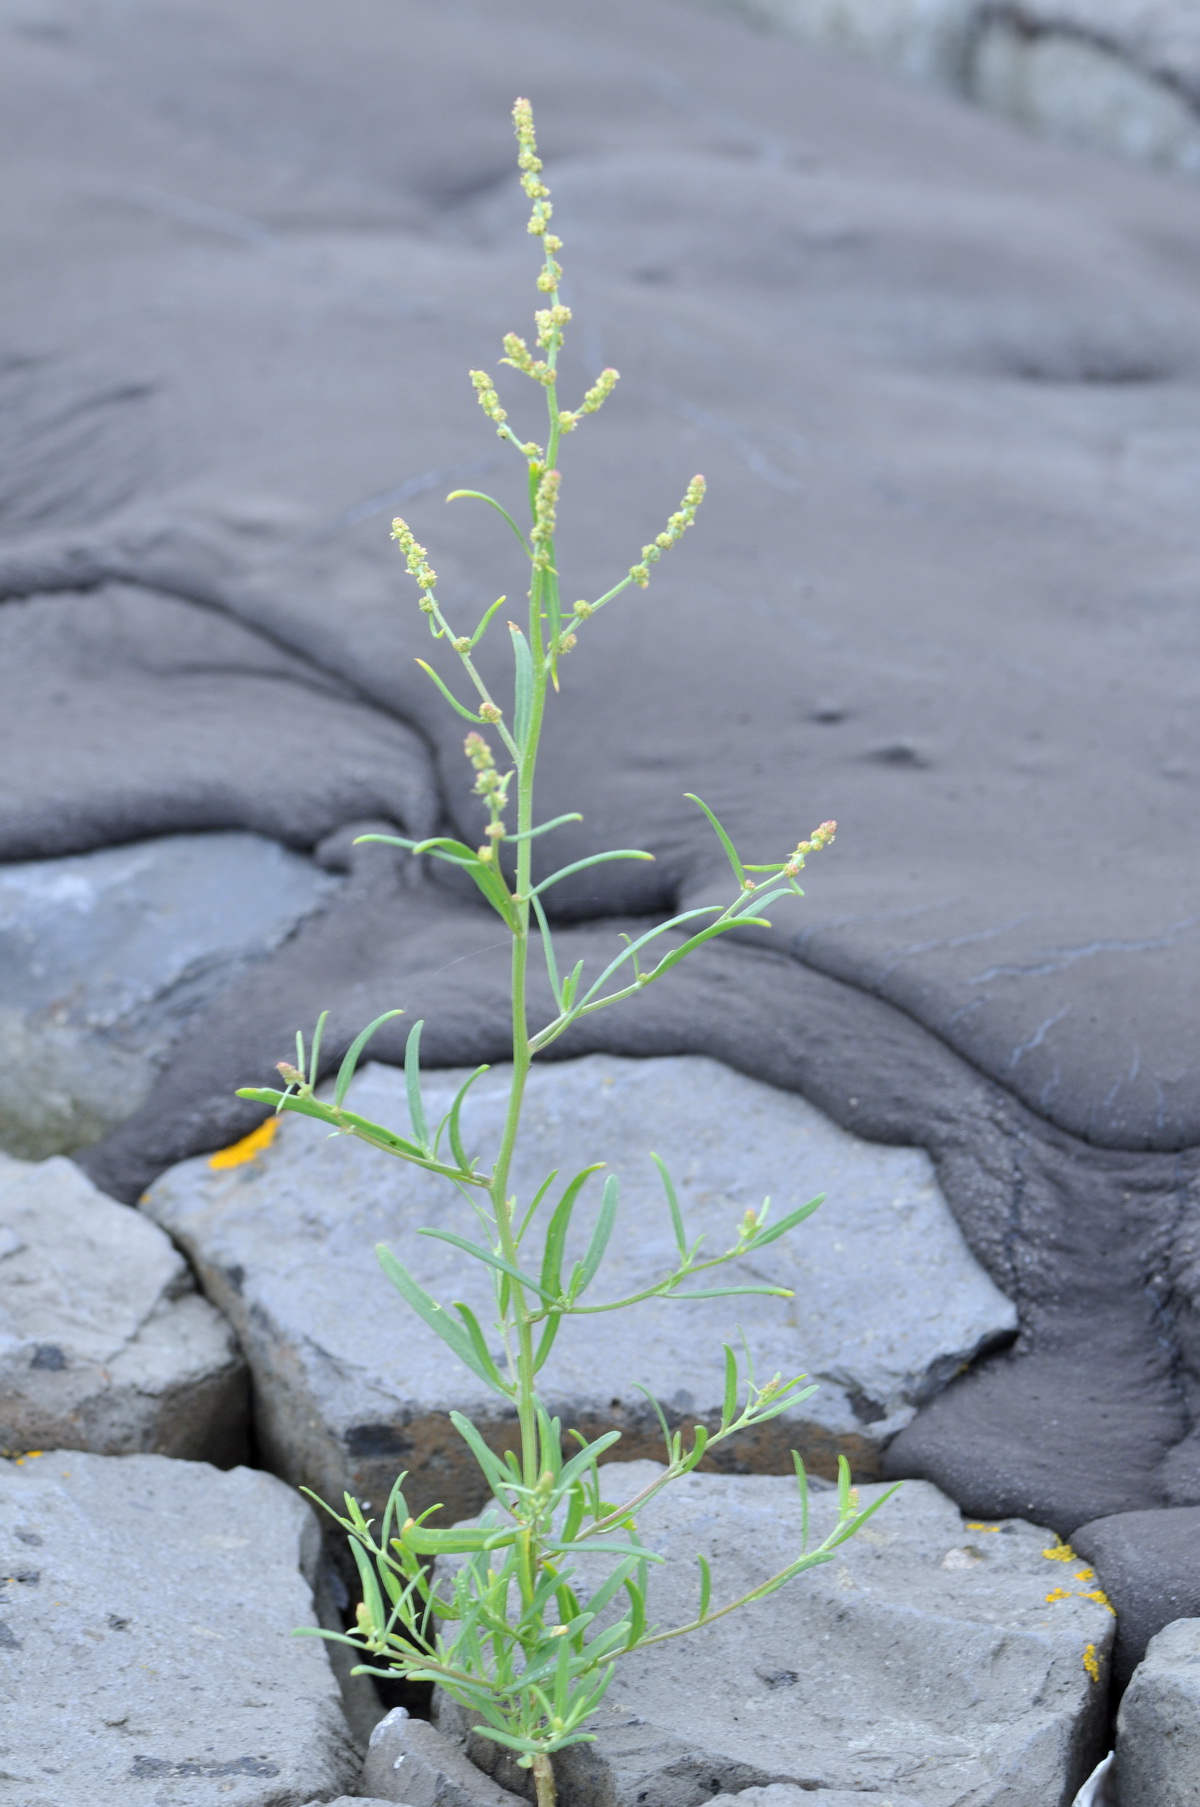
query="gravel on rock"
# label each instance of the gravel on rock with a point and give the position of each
(105, 1344)
(146, 1644)
(348, 1397)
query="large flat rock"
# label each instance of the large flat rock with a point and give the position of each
(105, 1344)
(105, 957)
(934, 1662)
(1158, 1727)
(889, 1303)
(147, 1650)
(948, 556)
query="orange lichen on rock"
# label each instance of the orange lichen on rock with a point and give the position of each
(249, 1148)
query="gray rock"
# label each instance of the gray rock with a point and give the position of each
(410, 1760)
(1158, 1727)
(933, 1663)
(105, 1344)
(104, 957)
(1148, 1564)
(888, 1305)
(787, 1794)
(1122, 75)
(147, 1643)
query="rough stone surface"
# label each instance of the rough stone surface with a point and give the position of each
(944, 591)
(147, 1644)
(925, 1659)
(787, 1794)
(1158, 1727)
(104, 958)
(889, 1302)
(1123, 75)
(105, 1345)
(1149, 1566)
(412, 1761)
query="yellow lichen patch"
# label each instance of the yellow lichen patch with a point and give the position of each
(1062, 1552)
(1059, 1593)
(249, 1148)
(1098, 1594)
(974, 1525)
(1091, 1662)
(1084, 1575)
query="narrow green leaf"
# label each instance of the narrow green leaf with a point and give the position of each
(386, 1138)
(523, 705)
(802, 1487)
(637, 1617)
(538, 1196)
(427, 1308)
(574, 1470)
(556, 1232)
(387, 840)
(486, 622)
(353, 1054)
(478, 496)
(531, 834)
(595, 859)
(571, 985)
(450, 1120)
(729, 1403)
(548, 950)
(486, 1256)
(673, 1202)
(605, 1220)
(730, 850)
(480, 1347)
(493, 1469)
(314, 1071)
(705, 1586)
(731, 1292)
(776, 1230)
(412, 1084)
(468, 715)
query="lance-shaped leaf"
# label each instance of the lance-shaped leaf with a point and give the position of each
(556, 1231)
(585, 1270)
(478, 495)
(673, 1204)
(776, 1230)
(433, 1314)
(485, 1255)
(730, 850)
(468, 715)
(412, 1084)
(354, 1054)
(523, 699)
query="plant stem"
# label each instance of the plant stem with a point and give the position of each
(543, 1775)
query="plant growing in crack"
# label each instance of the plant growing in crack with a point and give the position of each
(504, 1624)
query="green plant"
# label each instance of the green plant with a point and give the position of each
(500, 1624)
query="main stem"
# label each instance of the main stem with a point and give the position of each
(543, 1775)
(521, 1054)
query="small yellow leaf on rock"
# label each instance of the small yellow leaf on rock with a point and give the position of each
(249, 1148)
